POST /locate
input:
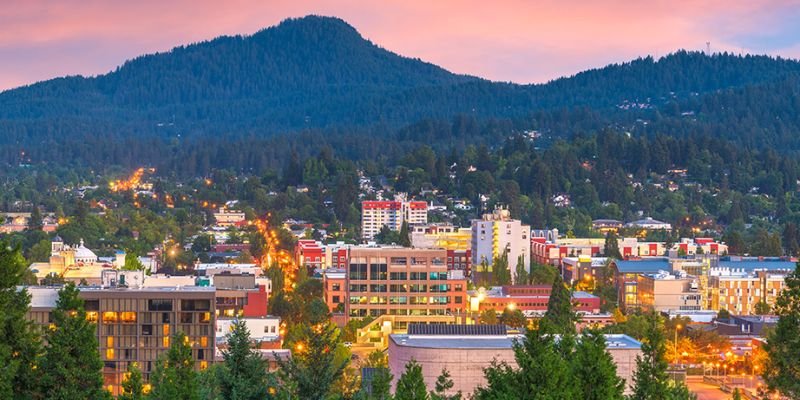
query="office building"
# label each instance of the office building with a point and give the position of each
(664, 292)
(392, 214)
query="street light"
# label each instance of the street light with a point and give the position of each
(677, 327)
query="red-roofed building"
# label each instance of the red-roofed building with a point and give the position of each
(310, 253)
(377, 214)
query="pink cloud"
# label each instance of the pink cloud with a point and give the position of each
(517, 40)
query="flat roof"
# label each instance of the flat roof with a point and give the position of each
(490, 342)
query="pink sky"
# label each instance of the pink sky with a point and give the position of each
(514, 40)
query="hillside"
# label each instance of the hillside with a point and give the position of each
(317, 74)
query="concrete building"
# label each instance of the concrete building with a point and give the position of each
(377, 214)
(441, 236)
(136, 325)
(649, 224)
(401, 281)
(626, 278)
(532, 300)
(497, 233)
(465, 350)
(664, 292)
(225, 217)
(739, 290)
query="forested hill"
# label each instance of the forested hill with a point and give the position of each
(319, 76)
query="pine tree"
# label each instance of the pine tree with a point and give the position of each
(21, 342)
(594, 370)
(404, 236)
(243, 373)
(611, 246)
(500, 271)
(521, 277)
(514, 319)
(314, 366)
(443, 385)
(71, 367)
(381, 385)
(133, 385)
(411, 385)
(650, 378)
(35, 222)
(559, 317)
(174, 377)
(783, 344)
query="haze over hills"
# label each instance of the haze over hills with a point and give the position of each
(318, 73)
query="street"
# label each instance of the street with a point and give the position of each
(705, 391)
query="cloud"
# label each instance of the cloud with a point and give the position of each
(513, 40)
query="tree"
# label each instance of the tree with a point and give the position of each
(542, 274)
(133, 385)
(243, 373)
(411, 385)
(611, 246)
(404, 235)
(174, 376)
(650, 379)
(500, 271)
(783, 343)
(737, 395)
(488, 317)
(314, 366)
(132, 263)
(35, 221)
(559, 317)
(723, 314)
(521, 276)
(513, 318)
(762, 308)
(71, 367)
(21, 344)
(443, 385)
(594, 370)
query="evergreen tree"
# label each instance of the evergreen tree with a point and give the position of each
(650, 378)
(314, 366)
(611, 246)
(513, 318)
(521, 277)
(762, 308)
(71, 367)
(488, 317)
(783, 343)
(411, 385)
(133, 385)
(243, 373)
(500, 271)
(404, 235)
(542, 372)
(559, 317)
(174, 377)
(35, 222)
(380, 386)
(21, 344)
(443, 385)
(594, 370)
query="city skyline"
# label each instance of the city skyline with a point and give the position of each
(523, 42)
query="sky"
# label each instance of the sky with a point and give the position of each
(503, 40)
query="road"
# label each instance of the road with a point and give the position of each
(705, 391)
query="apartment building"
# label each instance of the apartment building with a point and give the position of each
(441, 236)
(377, 214)
(386, 280)
(739, 290)
(497, 233)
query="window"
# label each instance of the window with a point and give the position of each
(358, 271)
(336, 287)
(159, 305)
(195, 305)
(147, 330)
(165, 317)
(109, 317)
(128, 317)
(398, 276)
(336, 299)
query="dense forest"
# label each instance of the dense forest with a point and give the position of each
(247, 102)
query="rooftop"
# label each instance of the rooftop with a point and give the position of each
(648, 265)
(488, 342)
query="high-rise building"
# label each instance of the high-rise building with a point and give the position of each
(738, 291)
(377, 214)
(497, 233)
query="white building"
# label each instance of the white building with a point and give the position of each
(377, 214)
(496, 233)
(649, 224)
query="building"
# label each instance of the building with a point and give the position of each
(626, 278)
(441, 236)
(310, 253)
(532, 300)
(79, 263)
(739, 290)
(664, 292)
(334, 287)
(548, 248)
(392, 214)
(606, 225)
(136, 325)
(225, 217)
(386, 280)
(649, 224)
(465, 350)
(18, 222)
(497, 233)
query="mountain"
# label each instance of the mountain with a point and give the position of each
(318, 74)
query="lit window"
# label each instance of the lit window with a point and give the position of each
(165, 341)
(109, 354)
(109, 316)
(204, 341)
(165, 330)
(110, 341)
(128, 317)
(91, 316)
(203, 365)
